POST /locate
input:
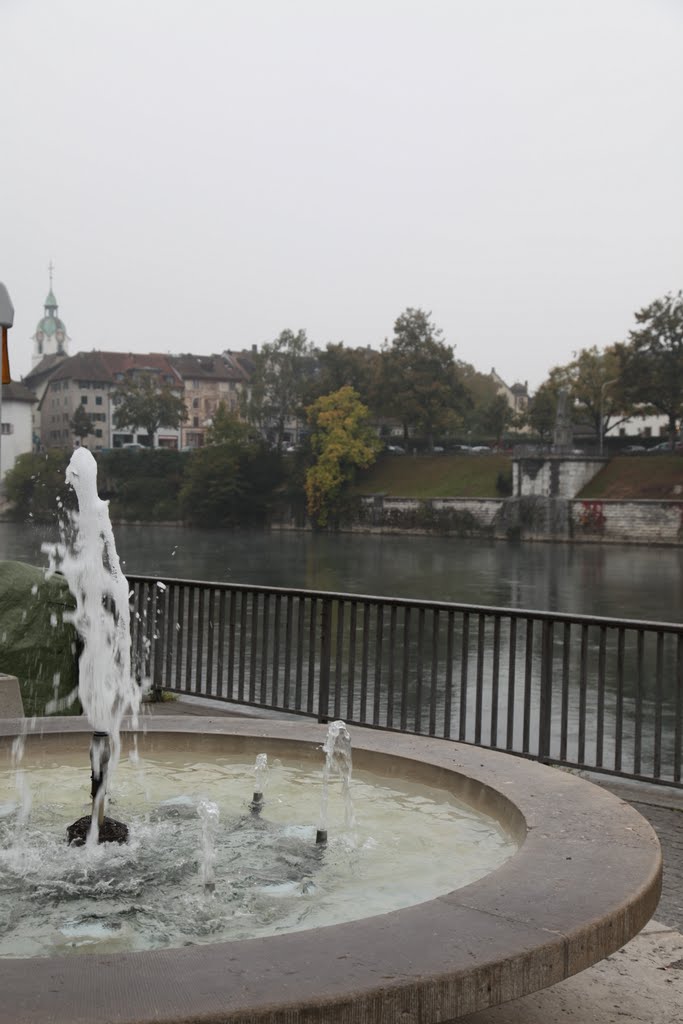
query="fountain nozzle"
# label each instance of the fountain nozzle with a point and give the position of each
(256, 805)
(108, 830)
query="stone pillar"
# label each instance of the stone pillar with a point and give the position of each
(11, 704)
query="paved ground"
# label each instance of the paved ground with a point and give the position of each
(640, 984)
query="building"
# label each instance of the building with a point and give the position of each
(208, 381)
(516, 395)
(89, 380)
(17, 427)
(50, 337)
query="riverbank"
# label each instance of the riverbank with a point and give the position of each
(534, 518)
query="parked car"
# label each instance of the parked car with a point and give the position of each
(395, 449)
(480, 449)
(438, 449)
(633, 449)
(660, 449)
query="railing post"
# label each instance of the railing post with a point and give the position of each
(158, 624)
(325, 661)
(546, 691)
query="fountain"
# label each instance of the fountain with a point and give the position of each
(584, 880)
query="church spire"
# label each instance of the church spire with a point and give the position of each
(50, 302)
(50, 338)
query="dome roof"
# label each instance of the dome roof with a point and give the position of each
(50, 324)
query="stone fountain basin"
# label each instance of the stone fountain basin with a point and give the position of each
(584, 881)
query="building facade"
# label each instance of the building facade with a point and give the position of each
(17, 425)
(207, 381)
(89, 380)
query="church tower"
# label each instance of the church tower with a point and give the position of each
(50, 338)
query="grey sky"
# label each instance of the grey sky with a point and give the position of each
(205, 173)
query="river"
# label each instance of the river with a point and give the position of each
(634, 582)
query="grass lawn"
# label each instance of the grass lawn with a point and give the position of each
(435, 476)
(638, 476)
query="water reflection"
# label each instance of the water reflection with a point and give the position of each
(619, 581)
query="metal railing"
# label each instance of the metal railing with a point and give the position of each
(587, 692)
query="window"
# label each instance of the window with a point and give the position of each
(98, 399)
(84, 399)
(8, 428)
(195, 403)
(195, 421)
(98, 432)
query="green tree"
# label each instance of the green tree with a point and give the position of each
(142, 402)
(542, 411)
(593, 382)
(342, 441)
(278, 386)
(652, 360)
(36, 485)
(227, 485)
(81, 423)
(420, 382)
(227, 428)
(495, 417)
(339, 366)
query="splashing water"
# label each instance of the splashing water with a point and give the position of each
(90, 564)
(337, 751)
(260, 777)
(209, 816)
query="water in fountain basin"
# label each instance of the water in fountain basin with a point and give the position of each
(266, 875)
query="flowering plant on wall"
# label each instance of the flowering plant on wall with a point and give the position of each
(592, 516)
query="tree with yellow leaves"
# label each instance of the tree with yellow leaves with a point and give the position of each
(342, 441)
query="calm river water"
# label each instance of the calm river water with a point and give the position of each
(625, 582)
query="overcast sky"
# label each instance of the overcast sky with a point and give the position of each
(206, 173)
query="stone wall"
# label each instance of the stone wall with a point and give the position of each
(553, 476)
(627, 522)
(527, 518)
(460, 516)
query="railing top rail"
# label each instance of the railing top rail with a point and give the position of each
(403, 602)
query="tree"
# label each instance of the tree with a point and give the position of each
(282, 371)
(542, 412)
(227, 484)
(495, 417)
(342, 441)
(144, 403)
(358, 368)
(36, 485)
(81, 423)
(593, 382)
(227, 428)
(652, 361)
(420, 382)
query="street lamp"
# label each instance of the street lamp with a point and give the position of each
(605, 384)
(6, 321)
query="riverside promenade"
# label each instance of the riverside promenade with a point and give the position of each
(641, 983)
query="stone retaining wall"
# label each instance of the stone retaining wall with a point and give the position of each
(527, 518)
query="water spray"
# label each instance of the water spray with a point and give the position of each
(106, 687)
(337, 750)
(260, 772)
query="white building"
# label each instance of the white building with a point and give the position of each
(17, 431)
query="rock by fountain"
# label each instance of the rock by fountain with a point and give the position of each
(107, 689)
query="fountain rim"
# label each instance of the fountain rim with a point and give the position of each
(585, 880)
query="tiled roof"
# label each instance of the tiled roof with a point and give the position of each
(15, 391)
(104, 366)
(44, 368)
(213, 367)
